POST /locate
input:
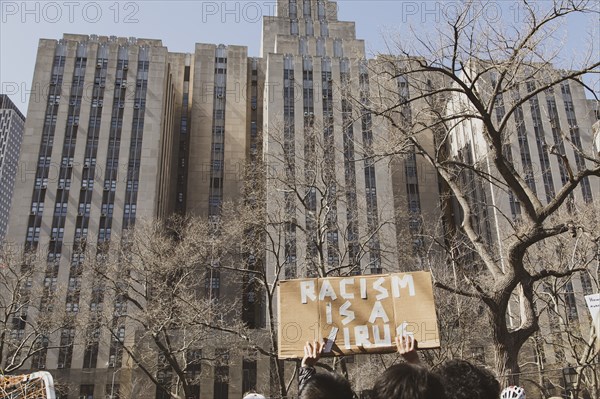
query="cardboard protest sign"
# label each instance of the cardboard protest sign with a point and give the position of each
(357, 314)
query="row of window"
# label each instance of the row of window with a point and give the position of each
(369, 168)
(47, 143)
(218, 130)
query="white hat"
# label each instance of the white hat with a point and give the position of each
(254, 396)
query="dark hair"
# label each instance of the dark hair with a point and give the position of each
(408, 381)
(326, 385)
(463, 380)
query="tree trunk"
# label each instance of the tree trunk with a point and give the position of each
(278, 369)
(187, 391)
(506, 347)
(276, 366)
(507, 363)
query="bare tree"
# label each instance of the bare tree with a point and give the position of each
(307, 216)
(27, 325)
(316, 204)
(161, 283)
(567, 340)
(466, 85)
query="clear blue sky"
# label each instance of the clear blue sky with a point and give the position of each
(180, 24)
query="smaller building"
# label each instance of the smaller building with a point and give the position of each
(12, 122)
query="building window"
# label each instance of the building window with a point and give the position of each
(306, 8)
(72, 307)
(41, 182)
(132, 185)
(110, 185)
(130, 209)
(87, 184)
(90, 356)
(221, 384)
(337, 48)
(214, 200)
(586, 284)
(249, 374)
(60, 209)
(571, 305)
(86, 392)
(50, 283)
(81, 232)
(309, 27)
(112, 391)
(37, 208)
(164, 376)
(58, 232)
(67, 336)
(324, 29)
(320, 10)
(104, 234)
(116, 355)
(478, 354)
(213, 285)
(107, 209)
(77, 259)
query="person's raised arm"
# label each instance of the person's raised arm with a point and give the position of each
(312, 354)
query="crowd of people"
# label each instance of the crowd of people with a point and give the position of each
(454, 379)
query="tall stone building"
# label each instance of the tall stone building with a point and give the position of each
(334, 200)
(548, 139)
(126, 130)
(122, 130)
(98, 152)
(12, 123)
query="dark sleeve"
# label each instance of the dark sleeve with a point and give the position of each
(304, 375)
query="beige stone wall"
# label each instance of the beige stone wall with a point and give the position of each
(236, 125)
(201, 129)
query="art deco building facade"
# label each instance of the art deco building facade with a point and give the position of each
(321, 182)
(12, 123)
(126, 130)
(548, 140)
(122, 130)
(97, 154)
(557, 121)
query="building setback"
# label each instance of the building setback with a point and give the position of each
(12, 123)
(315, 70)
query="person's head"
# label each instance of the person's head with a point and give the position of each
(513, 392)
(326, 385)
(408, 381)
(463, 380)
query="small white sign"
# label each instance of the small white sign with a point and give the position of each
(593, 303)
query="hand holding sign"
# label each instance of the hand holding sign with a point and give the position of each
(312, 353)
(407, 347)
